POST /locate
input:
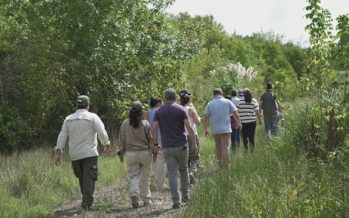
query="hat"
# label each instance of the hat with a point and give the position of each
(82, 101)
(170, 94)
(185, 91)
(137, 105)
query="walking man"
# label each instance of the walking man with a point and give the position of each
(80, 130)
(218, 112)
(172, 120)
(270, 112)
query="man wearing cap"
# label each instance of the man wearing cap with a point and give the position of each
(269, 107)
(172, 120)
(80, 130)
(218, 112)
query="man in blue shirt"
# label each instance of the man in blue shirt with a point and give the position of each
(218, 112)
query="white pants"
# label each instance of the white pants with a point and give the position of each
(160, 171)
(138, 168)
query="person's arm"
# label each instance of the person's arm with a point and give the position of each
(234, 111)
(154, 132)
(237, 118)
(191, 135)
(258, 113)
(122, 142)
(146, 115)
(195, 116)
(102, 134)
(206, 119)
(206, 124)
(61, 141)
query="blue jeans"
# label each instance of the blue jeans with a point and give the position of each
(235, 138)
(177, 159)
(271, 125)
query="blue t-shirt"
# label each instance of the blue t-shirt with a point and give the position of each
(219, 110)
(151, 121)
(171, 118)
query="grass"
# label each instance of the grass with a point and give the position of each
(275, 181)
(30, 186)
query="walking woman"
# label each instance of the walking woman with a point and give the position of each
(248, 109)
(194, 120)
(136, 143)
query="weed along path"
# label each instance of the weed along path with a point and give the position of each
(113, 201)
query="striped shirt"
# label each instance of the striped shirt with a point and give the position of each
(247, 111)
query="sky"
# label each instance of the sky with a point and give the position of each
(244, 17)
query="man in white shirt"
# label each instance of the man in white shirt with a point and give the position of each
(80, 130)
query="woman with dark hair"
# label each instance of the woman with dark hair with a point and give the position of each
(194, 120)
(248, 109)
(135, 142)
(159, 160)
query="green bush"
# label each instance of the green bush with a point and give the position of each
(12, 129)
(317, 125)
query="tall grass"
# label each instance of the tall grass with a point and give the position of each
(30, 186)
(279, 180)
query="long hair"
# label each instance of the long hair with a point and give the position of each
(154, 101)
(184, 98)
(135, 117)
(247, 96)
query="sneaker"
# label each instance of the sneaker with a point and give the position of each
(134, 201)
(176, 205)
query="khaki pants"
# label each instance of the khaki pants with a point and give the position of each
(86, 170)
(222, 147)
(160, 171)
(138, 168)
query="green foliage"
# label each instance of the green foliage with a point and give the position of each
(114, 51)
(13, 130)
(120, 51)
(320, 31)
(276, 181)
(325, 134)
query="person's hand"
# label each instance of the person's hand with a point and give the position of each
(106, 150)
(156, 149)
(239, 125)
(57, 160)
(206, 133)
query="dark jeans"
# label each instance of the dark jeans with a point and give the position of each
(235, 138)
(86, 170)
(248, 130)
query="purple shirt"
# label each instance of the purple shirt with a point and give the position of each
(171, 118)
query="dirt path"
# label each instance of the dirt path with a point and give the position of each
(113, 201)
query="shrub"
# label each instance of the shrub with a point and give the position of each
(12, 129)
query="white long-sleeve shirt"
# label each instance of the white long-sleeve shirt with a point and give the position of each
(80, 129)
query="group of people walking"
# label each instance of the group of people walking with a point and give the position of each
(165, 136)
